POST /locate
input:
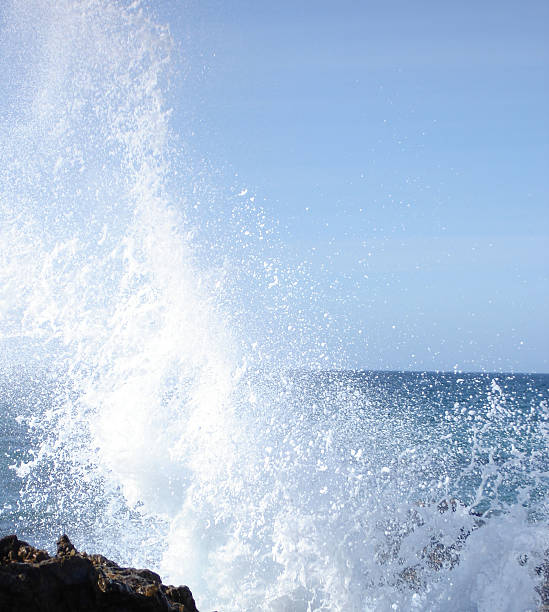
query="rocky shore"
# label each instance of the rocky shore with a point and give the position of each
(71, 581)
(32, 580)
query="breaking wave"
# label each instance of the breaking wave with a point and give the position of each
(184, 414)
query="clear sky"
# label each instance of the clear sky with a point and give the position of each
(403, 148)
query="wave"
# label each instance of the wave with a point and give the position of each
(177, 431)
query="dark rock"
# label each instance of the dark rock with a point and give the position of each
(543, 588)
(31, 580)
(438, 555)
(65, 547)
(448, 504)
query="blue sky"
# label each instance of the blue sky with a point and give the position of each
(403, 149)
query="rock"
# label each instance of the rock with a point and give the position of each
(31, 580)
(543, 588)
(65, 547)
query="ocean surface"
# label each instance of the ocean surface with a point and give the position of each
(342, 491)
(173, 391)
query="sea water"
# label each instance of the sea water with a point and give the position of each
(167, 396)
(332, 490)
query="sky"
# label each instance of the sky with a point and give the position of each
(400, 153)
(403, 150)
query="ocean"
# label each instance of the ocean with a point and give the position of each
(173, 390)
(325, 491)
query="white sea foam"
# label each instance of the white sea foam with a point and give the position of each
(170, 439)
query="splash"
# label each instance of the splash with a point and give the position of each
(174, 427)
(98, 272)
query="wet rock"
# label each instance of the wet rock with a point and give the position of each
(448, 504)
(13, 550)
(441, 556)
(65, 547)
(31, 580)
(543, 588)
(410, 577)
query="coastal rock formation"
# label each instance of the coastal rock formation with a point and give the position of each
(31, 580)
